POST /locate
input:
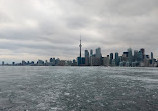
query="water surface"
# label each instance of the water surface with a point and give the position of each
(78, 89)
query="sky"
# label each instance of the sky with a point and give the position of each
(40, 29)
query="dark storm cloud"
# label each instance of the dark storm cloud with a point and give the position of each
(53, 27)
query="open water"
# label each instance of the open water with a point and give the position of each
(78, 89)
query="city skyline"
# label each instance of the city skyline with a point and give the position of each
(81, 53)
(129, 58)
(43, 29)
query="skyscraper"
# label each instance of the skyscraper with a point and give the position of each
(86, 57)
(98, 53)
(111, 58)
(152, 59)
(91, 57)
(98, 57)
(130, 56)
(116, 59)
(135, 55)
(143, 52)
(152, 55)
(105, 61)
(140, 56)
(91, 52)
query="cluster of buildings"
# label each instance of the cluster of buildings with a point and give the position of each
(129, 58)
(51, 62)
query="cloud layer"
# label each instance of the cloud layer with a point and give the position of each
(40, 29)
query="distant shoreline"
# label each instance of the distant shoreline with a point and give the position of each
(74, 66)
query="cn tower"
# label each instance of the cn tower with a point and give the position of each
(80, 50)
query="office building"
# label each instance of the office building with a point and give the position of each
(86, 57)
(130, 56)
(106, 61)
(111, 58)
(116, 59)
(152, 57)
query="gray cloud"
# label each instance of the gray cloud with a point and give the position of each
(35, 29)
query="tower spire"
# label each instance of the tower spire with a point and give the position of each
(80, 50)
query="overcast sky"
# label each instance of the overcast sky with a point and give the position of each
(40, 29)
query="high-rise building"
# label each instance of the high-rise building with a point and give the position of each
(106, 61)
(98, 57)
(79, 61)
(116, 59)
(125, 54)
(111, 58)
(91, 62)
(113, 63)
(140, 56)
(83, 61)
(135, 55)
(86, 53)
(143, 52)
(86, 57)
(120, 59)
(91, 56)
(98, 53)
(91, 52)
(130, 56)
(147, 56)
(125, 57)
(152, 61)
(152, 57)
(95, 61)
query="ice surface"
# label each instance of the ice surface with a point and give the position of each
(78, 89)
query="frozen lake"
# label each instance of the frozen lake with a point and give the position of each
(78, 89)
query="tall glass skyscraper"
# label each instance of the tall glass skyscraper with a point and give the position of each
(86, 57)
(130, 56)
(116, 59)
(111, 58)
